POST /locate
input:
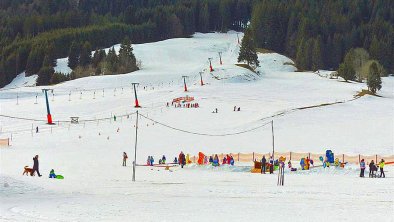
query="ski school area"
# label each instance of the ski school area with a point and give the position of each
(191, 148)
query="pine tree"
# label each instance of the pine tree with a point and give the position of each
(85, 58)
(98, 57)
(34, 61)
(374, 81)
(346, 71)
(44, 75)
(73, 55)
(204, 18)
(111, 61)
(247, 51)
(127, 61)
(301, 55)
(50, 53)
(317, 61)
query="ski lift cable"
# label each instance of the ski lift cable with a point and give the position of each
(205, 134)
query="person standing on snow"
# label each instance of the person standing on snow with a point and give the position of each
(182, 159)
(263, 162)
(151, 160)
(381, 166)
(163, 160)
(271, 165)
(362, 168)
(35, 166)
(371, 168)
(124, 158)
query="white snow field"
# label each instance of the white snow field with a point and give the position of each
(89, 154)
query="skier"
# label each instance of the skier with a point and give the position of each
(176, 160)
(124, 158)
(37, 129)
(163, 159)
(362, 168)
(35, 166)
(232, 161)
(381, 166)
(235, 108)
(210, 159)
(263, 162)
(114, 118)
(148, 161)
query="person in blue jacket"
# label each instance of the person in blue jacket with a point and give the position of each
(362, 168)
(151, 160)
(52, 174)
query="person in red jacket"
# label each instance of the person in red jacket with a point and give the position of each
(182, 159)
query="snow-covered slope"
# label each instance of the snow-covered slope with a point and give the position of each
(89, 154)
(21, 80)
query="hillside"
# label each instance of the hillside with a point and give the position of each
(89, 154)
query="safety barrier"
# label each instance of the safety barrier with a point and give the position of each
(5, 142)
(296, 156)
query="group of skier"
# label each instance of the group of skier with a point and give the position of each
(185, 105)
(265, 164)
(372, 168)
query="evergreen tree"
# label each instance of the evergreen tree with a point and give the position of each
(85, 58)
(204, 18)
(374, 81)
(44, 75)
(98, 57)
(346, 71)
(50, 53)
(73, 55)
(34, 61)
(127, 61)
(111, 62)
(301, 55)
(317, 61)
(247, 51)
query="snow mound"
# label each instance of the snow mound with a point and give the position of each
(274, 62)
(22, 80)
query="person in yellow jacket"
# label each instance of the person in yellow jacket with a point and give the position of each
(188, 159)
(381, 166)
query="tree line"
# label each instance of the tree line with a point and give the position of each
(317, 34)
(30, 30)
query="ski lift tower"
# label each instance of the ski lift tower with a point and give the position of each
(49, 116)
(210, 64)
